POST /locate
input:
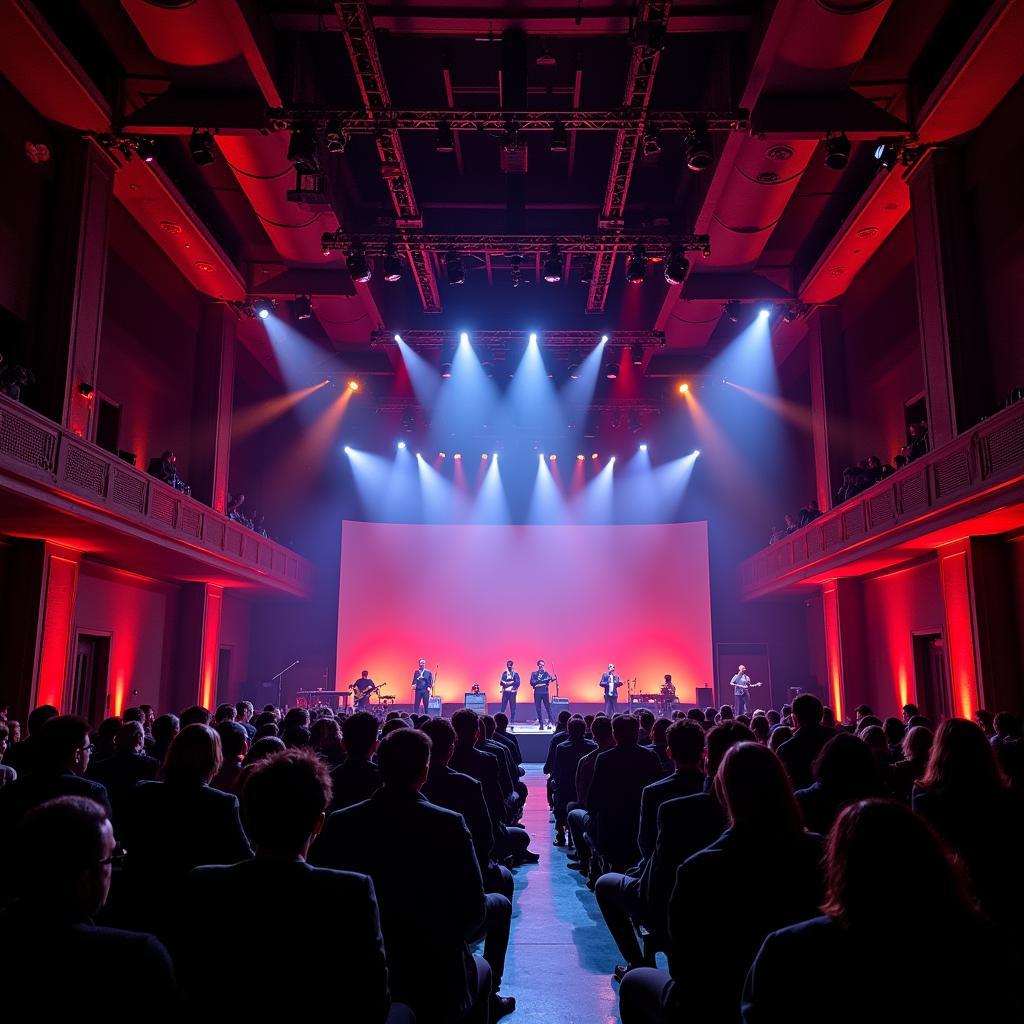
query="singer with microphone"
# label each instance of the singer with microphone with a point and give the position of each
(610, 683)
(422, 684)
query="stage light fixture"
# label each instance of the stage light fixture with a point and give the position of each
(732, 310)
(398, 337)
(764, 312)
(495, 454)
(553, 266)
(636, 265)
(559, 142)
(302, 307)
(684, 388)
(593, 456)
(401, 446)
(353, 385)
(581, 458)
(533, 338)
(358, 265)
(552, 458)
(441, 455)
(643, 447)
(457, 456)
(303, 151)
(837, 151)
(445, 369)
(611, 369)
(484, 456)
(636, 351)
(677, 266)
(651, 144)
(699, 153)
(612, 459)
(200, 145)
(263, 308)
(444, 138)
(574, 371)
(336, 139)
(454, 267)
(347, 450)
(392, 264)
(146, 150)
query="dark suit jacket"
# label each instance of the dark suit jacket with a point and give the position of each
(559, 736)
(567, 758)
(516, 681)
(32, 790)
(390, 837)
(465, 796)
(507, 772)
(727, 899)
(620, 776)
(325, 926)
(678, 784)
(541, 680)
(425, 683)
(354, 782)
(511, 742)
(480, 765)
(120, 773)
(799, 753)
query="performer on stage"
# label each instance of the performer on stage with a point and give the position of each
(610, 683)
(540, 681)
(423, 683)
(667, 688)
(741, 685)
(509, 683)
(361, 690)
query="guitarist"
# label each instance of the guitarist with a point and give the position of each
(510, 683)
(741, 686)
(610, 683)
(423, 683)
(361, 690)
(540, 680)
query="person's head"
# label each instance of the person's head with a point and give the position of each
(5, 736)
(899, 461)
(234, 741)
(846, 767)
(135, 714)
(466, 723)
(540, 663)
(874, 736)
(243, 711)
(625, 730)
(659, 731)
(403, 759)
(909, 710)
(284, 800)
(742, 670)
(267, 729)
(359, 732)
(14, 728)
(646, 719)
(828, 717)
(861, 711)
(1007, 725)
(962, 758)
(130, 738)
(442, 740)
(169, 456)
(165, 728)
(601, 730)
(720, 739)
(423, 662)
(894, 730)
(866, 722)
(195, 715)
(105, 734)
(685, 744)
(393, 724)
(984, 719)
(877, 845)
(807, 711)
(508, 664)
(325, 734)
(725, 713)
(779, 735)
(760, 727)
(263, 747)
(194, 756)
(487, 721)
(225, 713)
(576, 729)
(63, 851)
(64, 744)
(365, 674)
(773, 717)
(563, 717)
(745, 719)
(917, 744)
(501, 721)
(919, 720)
(753, 787)
(696, 715)
(296, 718)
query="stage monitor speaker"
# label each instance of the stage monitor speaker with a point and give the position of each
(476, 702)
(559, 704)
(434, 707)
(705, 697)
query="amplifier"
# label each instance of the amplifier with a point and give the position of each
(705, 697)
(559, 704)
(434, 707)
(477, 702)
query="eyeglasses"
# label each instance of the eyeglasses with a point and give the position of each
(88, 748)
(113, 859)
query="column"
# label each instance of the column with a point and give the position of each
(845, 644)
(212, 413)
(956, 369)
(828, 399)
(65, 353)
(38, 597)
(199, 643)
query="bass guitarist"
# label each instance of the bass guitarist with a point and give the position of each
(362, 689)
(741, 687)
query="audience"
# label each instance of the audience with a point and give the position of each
(799, 753)
(356, 778)
(125, 768)
(844, 772)
(567, 758)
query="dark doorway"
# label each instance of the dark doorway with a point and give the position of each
(757, 660)
(108, 425)
(89, 696)
(932, 676)
(223, 672)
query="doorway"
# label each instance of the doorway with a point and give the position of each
(932, 676)
(89, 695)
(223, 672)
(108, 424)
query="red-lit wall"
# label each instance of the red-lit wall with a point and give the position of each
(234, 635)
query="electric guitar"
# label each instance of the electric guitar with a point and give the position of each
(362, 694)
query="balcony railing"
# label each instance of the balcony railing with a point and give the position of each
(35, 448)
(973, 467)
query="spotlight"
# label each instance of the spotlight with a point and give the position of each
(463, 338)
(699, 153)
(444, 138)
(335, 137)
(552, 458)
(533, 338)
(146, 150)
(581, 458)
(651, 145)
(677, 266)
(303, 150)
(604, 339)
(837, 151)
(612, 459)
(559, 142)
(401, 446)
(696, 452)
(408, 421)
(732, 310)
(637, 353)
(887, 154)
(303, 307)
(347, 450)
(445, 370)
(263, 308)
(643, 447)
(611, 369)
(358, 265)
(636, 265)
(553, 266)
(200, 145)
(353, 385)
(484, 456)
(574, 371)
(457, 456)
(764, 312)
(441, 455)
(684, 388)
(454, 267)
(392, 264)
(398, 337)
(419, 456)
(495, 454)
(593, 456)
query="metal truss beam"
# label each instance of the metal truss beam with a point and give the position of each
(500, 244)
(429, 338)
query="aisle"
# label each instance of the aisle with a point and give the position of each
(561, 956)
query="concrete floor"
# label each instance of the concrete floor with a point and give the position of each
(561, 957)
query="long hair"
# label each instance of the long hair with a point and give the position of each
(962, 758)
(194, 756)
(756, 790)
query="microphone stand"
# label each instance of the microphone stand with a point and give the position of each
(277, 678)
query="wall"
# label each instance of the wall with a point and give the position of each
(140, 614)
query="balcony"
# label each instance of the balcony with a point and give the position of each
(58, 487)
(972, 486)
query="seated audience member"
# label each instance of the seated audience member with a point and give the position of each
(195, 715)
(21, 754)
(125, 768)
(646, 719)
(294, 728)
(862, 711)
(7, 773)
(259, 751)
(165, 728)
(243, 715)
(845, 771)
(495, 743)
(578, 817)
(620, 775)
(557, 737)
(716, 926)
(895, 731)
(1009, 747)
(325, 739)
(172, 826)
(567, 758)
(504, 733)
(356, 778)
(659, 744)
(50, 949)
(60, 759)
(103, 741)
(905, 773)
(326, 922)
(761, 728)
(426, 932)
(224, 713)
(508, 773)
(779, 735)
(799, 753)
(985, 721)
(909, 711)
(965, 797)
(234, 745)
(874, 737)
(853, 965)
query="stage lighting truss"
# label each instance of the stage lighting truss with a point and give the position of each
(499, 341)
